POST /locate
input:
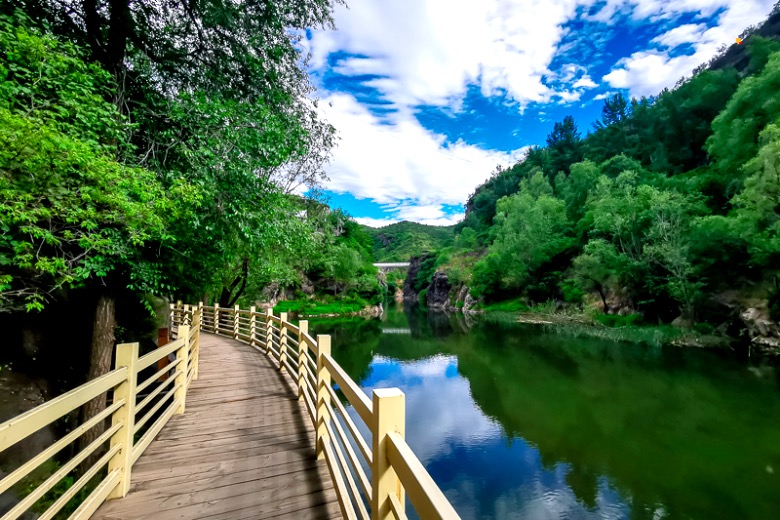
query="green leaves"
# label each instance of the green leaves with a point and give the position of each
(758, 206)
(735, 130)
(531, 231)
(70, 212)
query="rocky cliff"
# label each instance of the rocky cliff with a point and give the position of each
(438, 295)
(411, 275)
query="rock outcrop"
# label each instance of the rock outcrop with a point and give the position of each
(438, 295)
(763, 332)
(411, 275)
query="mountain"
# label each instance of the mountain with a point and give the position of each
(401, 241)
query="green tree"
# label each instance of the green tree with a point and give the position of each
(564, 146)
(758, 206)
(614, 111)
(650, 228)
(734, 139)
(530, 232)
(595, 268)
(576, 188)
(71, 215)
(218, 93)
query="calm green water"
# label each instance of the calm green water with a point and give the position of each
(515, 422)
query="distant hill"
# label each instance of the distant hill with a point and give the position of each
(399, 242)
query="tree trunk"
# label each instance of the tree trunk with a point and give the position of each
(600, 289)
(227, 298)
(101, 352)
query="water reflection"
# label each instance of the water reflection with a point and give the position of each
(515, 422)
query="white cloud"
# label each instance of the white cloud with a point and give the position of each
(680, 35)
(585, 82)
(569, 96)
(603, 95)
(430, 50)
(433, 426)
(647, 72)
(395, 161)
(376, 222)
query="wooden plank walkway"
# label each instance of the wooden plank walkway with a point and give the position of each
(244, 449)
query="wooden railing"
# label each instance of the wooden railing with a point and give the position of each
(393, 467)
(143, 397)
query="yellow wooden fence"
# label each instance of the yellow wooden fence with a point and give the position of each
(371, 476)
(138, 408)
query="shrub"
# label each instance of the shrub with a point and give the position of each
(704, 328)
(616, 320)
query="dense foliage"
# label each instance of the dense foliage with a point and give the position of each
(665, 206)
(179, 134)
(159, 150)
(69, 211)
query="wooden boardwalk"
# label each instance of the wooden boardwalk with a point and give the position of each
(244, 449)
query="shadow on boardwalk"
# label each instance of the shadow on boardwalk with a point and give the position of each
(242, 449)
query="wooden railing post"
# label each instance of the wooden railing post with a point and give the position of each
(216, 318)
(323, 381)
(181, 380)
(196, 349)
(389, 416)
(282, 340)
(186, 317)
(235, 322)
(252, 325)
(303, 326)
(126, 356)
(269, 330)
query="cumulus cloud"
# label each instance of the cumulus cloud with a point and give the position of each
(646, 72)
(395, 161)
(430, 50)
(433, 426)
(603, 95)
(585, 82)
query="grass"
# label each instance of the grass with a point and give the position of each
(505, 306)
(312, 307)
(641, 334)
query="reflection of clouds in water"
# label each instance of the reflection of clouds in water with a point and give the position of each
(440, 412)
(541, 501)
(483, 474)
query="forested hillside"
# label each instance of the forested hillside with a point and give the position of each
(403, 240)
(153, 153)
(668, 208)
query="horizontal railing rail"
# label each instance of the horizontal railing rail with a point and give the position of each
(137, 411)
(372, 476)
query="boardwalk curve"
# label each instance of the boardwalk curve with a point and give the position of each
(248, 421)
(242, 449)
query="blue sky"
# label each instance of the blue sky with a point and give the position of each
(429, 96)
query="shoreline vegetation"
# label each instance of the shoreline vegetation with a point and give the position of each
(587, 322)
(347, 307)
(655, 335)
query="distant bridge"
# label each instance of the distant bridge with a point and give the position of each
(389, 266)
(396, 331)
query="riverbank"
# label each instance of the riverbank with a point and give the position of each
(579, 325)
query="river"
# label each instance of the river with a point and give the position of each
(515, 421)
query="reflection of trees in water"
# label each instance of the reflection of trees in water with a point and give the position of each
(678, 429)
(667, 428)
(353, 342)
